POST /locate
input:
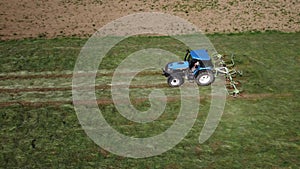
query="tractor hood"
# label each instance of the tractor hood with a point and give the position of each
(177, 65)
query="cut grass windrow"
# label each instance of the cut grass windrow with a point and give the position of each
(107, 101)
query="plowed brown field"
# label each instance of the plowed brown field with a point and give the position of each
(45, 18)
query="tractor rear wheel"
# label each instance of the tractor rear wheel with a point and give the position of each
(175, 80)
(205, 78)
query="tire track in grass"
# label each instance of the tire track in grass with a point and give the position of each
(263, 95)
(105, 101)
(66, 75)
(98, 87)
(108, 101)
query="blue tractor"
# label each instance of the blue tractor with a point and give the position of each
(197, 66)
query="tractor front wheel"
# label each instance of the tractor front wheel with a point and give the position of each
(175, 81)
(205, 78)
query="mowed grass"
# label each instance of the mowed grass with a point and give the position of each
(259, 130)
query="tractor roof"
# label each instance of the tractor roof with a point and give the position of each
(200, 54)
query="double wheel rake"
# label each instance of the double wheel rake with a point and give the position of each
(230, 73)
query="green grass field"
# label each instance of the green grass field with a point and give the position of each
(259, 129)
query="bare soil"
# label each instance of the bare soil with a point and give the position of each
(54, 18)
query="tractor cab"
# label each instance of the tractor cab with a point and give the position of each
(198, 59)
(194, 59)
